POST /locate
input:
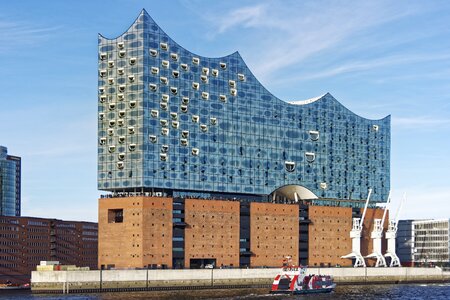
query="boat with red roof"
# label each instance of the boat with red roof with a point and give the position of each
(294, 280)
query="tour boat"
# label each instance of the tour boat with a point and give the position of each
(294, 280)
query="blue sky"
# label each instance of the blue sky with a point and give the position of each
(376, 57)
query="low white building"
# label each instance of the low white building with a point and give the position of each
(431, 241)
(424, 242)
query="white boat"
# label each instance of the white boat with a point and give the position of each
(294, 280)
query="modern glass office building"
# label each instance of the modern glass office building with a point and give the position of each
(10, 169)
(174, 122)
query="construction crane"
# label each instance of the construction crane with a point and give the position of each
(391, 235)
(355, 235)
(377, 235)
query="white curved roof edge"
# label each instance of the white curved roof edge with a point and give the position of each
(302, 192)
(307, 101)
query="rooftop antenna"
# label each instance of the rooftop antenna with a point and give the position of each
(377, 235)
(355, 235)
(391, 235)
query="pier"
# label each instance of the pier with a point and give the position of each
(188, 279)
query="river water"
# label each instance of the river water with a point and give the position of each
(399, 291)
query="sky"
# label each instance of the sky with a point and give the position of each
(377, 58)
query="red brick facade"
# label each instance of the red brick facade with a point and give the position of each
(211, 231)
(25, 241)
(273, 233)
(143, 237)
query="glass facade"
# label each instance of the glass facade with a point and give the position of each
(174, 121)
(9, 184)
(431, 241)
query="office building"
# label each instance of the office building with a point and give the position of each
(427, 242)
(405, 242)
(25, 241)
(182, 136)
(10, 180)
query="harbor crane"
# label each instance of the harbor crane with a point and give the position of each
(355, 235)
(377, 235)
(391, 236)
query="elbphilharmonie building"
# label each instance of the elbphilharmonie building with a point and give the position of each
(176, 124)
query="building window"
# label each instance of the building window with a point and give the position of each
(314, 135)
(155, 70)
(115, 215)
(165, 98)
(164, 46)
(153, 52)
(152, 87)
(310, 156)
(290, 166)
(154, 113)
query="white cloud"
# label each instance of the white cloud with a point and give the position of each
(419, 122)
(297, 30)
(245, 16)
(356, 67)
(15, 34)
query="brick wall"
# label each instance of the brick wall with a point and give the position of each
(273, 233)
(144, 236)
(329, 235)
(212, 231)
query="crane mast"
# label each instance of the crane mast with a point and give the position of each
(377, 235)
(355, 235)
(391, 236)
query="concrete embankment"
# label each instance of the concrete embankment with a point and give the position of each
(127, 280)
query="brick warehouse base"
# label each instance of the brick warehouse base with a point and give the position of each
(155, 232)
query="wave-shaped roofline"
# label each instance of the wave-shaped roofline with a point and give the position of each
(310, 101)
(144, 12)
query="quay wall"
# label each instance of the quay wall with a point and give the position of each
(126, 280)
